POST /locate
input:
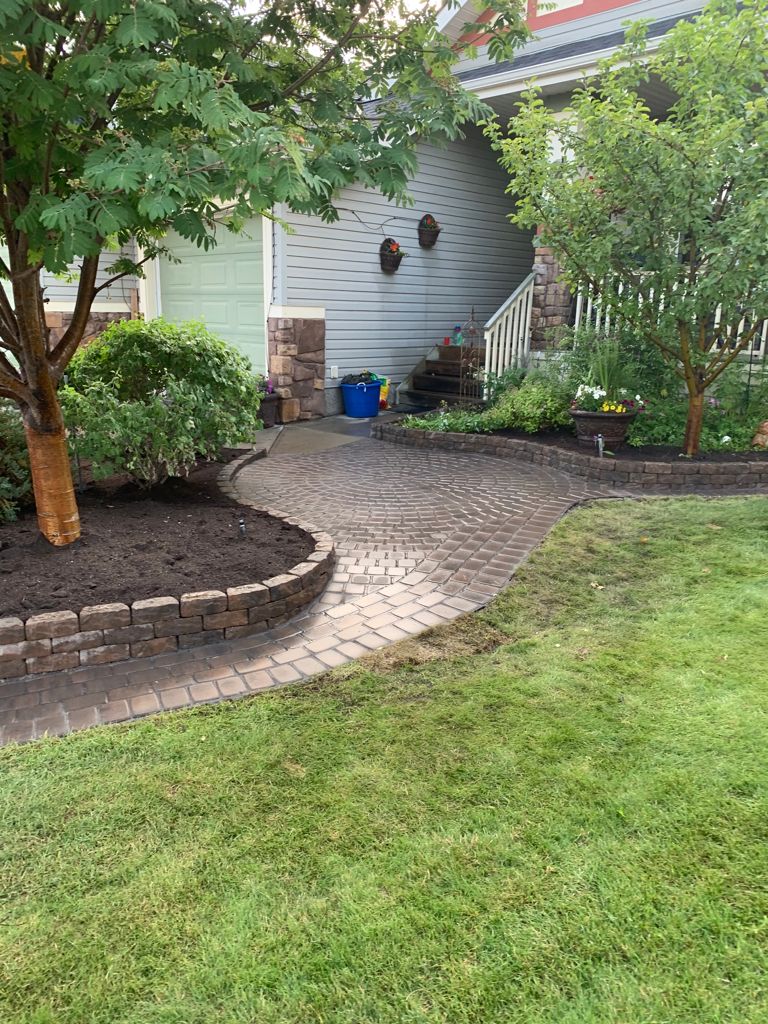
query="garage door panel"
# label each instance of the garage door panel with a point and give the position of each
(223, 287)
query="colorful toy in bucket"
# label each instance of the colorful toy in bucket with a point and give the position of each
(361, 393)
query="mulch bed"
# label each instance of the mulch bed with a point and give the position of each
(180, 537)
(646, 453)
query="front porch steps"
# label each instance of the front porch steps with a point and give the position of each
(438, 378)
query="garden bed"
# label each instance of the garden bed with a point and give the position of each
(653, 468)
(179, 537)
(153, 571)
(566, 441)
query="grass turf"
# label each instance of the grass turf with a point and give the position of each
(568, 828)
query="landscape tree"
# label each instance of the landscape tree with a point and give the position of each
(122, 119)
(665, 218)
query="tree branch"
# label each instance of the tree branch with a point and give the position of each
(327, 57)
(117, 277)
(73, 335)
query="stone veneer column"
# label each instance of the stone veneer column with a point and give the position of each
(552, 299)
(297, 366)
(58, 322)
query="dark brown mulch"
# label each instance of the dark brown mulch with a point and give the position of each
(646, 453)
(180, 537)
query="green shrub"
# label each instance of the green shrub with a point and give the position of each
(15, 482)
(663, 423)
(148, 398)
(732, 413)
(497, 383)
(446, 420)
(542, 402)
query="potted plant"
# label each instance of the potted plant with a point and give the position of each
(269, 404)
(596, 412)
(391, 255)
(429, 230)
(604, 406)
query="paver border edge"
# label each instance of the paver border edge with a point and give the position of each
(107, 633)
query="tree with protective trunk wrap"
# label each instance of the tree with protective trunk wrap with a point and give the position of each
(124, 119)
(663, 219)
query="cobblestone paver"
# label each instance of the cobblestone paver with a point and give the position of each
(421, 537)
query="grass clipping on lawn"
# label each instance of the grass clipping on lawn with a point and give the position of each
(568, 828)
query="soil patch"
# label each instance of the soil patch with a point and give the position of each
(180, 537)
(647, 453)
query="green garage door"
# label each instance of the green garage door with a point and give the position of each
(223, 287)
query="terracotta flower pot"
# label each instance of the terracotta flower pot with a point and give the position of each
(612, 425)
(428, 237)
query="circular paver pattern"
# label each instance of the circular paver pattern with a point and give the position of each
(421, 536)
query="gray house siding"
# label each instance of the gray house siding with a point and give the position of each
(58, 290)
(388, 322)
(61, 293)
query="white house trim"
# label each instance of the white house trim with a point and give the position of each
(150, 300)
(297, 312)
(510, 81)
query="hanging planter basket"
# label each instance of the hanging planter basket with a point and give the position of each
(429, 231)
(390, 255)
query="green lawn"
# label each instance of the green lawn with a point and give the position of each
(570, 827)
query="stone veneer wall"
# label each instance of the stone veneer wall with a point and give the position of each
(682, 477)
(552, 300)
(297, 366)
(97, 322)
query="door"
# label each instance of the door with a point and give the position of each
(223, 287)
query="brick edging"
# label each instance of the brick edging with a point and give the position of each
(106, 633)
(669, 477)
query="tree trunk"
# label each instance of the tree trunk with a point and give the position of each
(694, 423)
(57, 514)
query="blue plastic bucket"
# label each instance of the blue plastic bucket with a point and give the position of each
(361, 400)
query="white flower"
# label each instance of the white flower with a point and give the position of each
(638, 398)
(725, 440)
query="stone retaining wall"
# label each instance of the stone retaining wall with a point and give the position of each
(105, 633)
(668, 477)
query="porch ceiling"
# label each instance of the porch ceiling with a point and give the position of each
(658, 97)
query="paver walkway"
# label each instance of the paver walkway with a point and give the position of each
(421, 537)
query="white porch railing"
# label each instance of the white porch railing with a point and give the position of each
(594, 311)
(508, 332)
